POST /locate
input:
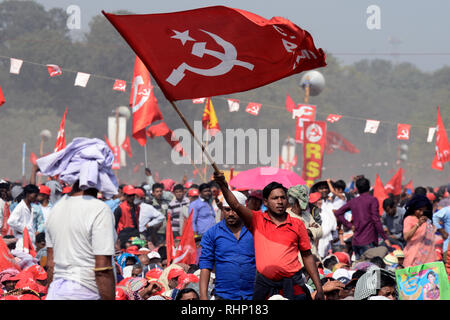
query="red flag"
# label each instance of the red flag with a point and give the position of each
(409, 186)
(290, 104)
(143, 103)
(187, 250)
(33, 158)
(403, 131)
(337, 141)
(27, 244)
(162, 130)
(127, 146)
(442, 153)
(380, 193)
(6, 229)
(394, 185)
(333, 118)
(253, 108)
(54, 70)
(120, 85)
(6, 258)
(2, 97)
(303, 113)
(209, 119)
(116, 162)
(61, 137)
(108, 143)
(217, 50)
(170, 247)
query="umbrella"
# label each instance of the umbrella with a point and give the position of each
(258, 178)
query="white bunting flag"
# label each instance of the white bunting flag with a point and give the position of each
(371, 126)
(233, 105)
(82, 79)
(431, 132)
(198, 100)
(16, 64)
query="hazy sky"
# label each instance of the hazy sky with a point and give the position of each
(337, 26)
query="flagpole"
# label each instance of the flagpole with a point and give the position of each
(194, 136)
(206, 163)
(145, 154)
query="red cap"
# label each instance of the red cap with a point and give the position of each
(176, 272)
(139, 192)
(37, 271)
(342, 257)
(133, 250)
(45, 190)
(314, 197)
(66, 190)
(154, 273)
(188, 184)
(193, 193)
(129, 190)
(431, 196)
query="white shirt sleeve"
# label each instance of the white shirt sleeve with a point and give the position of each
(103, 233)
(16, 219)
(149, 217)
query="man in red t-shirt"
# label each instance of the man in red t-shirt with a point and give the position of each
(278, 241)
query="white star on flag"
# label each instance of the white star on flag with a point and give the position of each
(182, 36)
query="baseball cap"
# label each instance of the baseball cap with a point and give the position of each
(314, 197)
(154, 273)
(139, 192)
(66, 190)
(193, 193)
(129, 190)
(45, 190)
(133, 250)
(154, 255)
(240, 197)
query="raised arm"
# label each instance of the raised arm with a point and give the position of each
(244, 213)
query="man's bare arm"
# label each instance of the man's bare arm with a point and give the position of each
(204, 281)
(243, 212)
(104, 277)
(50, 265)
(311, 268)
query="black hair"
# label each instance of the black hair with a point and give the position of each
(272, 186)
(420, 191)
(193, 268)
(214, 184)
(388, 203)
(163, 252)
(11, 246)
(40, 237)
(330, 262)
(378, 261)
(178, 187)
(4, 185)
(340, 184)
(194, 186)
(203, 186)
(121, 186)
(184, 291)
(30, 188)
(362, 185)
(157, 185)
(386, 280)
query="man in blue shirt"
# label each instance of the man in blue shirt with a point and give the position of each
(228, 248)
(204, 216)
(441, 220)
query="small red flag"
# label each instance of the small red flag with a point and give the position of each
(108, 143)
(403, 131)
(187, 250)
(170, 246)
(337, 141)
(2, 97)
(61, 137)
(127, 146)
(217, 50)
(54, 70)
(442, 153)
(120, 85)
(27, 244)
(332, 118)
(394, 185)
(253, 108)
(409, 186)
(33, 158)
(380, 193)
(143, 103)
(6, 258)
(290, 104)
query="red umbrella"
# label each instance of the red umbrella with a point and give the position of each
(258, 178)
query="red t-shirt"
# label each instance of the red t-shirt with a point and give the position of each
(277, 247)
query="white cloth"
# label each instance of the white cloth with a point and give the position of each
(79, 228)
(329, 225)
(2, 213)
(45, 211)
(240, 197)
(149, 216)
(20, 218)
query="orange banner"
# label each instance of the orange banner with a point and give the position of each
(314, 144)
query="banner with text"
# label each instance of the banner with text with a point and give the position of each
(313, 147)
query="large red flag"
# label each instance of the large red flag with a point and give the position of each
(169, 240)
(394, 185)
(2, 97)
(380, 193)
(187, 250)
(442, 153)
(127, 146)
(217, 50)
(143, 103)
(6, 258)
(61, 137)
(27, 244)
(337, 141)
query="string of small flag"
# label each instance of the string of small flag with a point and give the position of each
(253, 108)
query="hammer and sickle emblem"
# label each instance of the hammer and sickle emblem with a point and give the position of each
(228, 60)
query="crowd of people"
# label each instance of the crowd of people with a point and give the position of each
(279, 243)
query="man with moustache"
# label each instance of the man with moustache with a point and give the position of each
(228, 247)
(278, 240)
(203, 215)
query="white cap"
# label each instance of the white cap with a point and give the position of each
(240, 197)
(153, 255)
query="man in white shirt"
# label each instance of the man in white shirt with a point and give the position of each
(22, 217)
(150, 219)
